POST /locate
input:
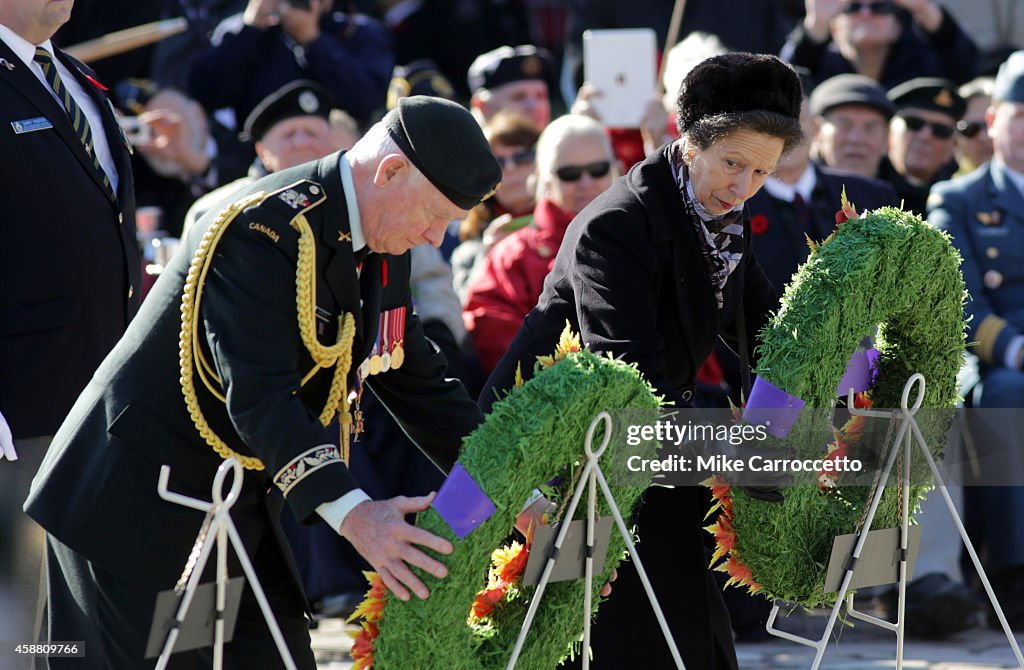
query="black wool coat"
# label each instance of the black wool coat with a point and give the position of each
(631, 278)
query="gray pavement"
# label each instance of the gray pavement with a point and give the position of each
(859, 648)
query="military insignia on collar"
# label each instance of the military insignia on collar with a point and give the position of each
(295, 199)
(344, 237)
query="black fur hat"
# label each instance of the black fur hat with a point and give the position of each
(738, 82)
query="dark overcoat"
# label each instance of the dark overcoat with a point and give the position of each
(69, 262)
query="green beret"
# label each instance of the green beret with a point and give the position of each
(446, 144)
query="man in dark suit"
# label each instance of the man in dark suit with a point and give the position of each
(69, 264)
(259, 385)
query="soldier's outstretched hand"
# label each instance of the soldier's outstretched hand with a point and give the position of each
(379, 532)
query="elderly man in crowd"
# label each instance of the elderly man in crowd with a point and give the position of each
(851, 115)
(921, 140)
(516, 80)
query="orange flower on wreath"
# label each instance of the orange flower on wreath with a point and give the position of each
(725, 536)
(568, 343)
(507, 565)
(371, 611)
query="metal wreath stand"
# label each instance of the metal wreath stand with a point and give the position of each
(907, 431)
(592, 477)
(218, 525)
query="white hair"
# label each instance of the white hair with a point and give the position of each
(698, 46)
(560, 130)
(377, 143)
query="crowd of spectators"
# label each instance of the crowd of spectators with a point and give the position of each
(900, 96)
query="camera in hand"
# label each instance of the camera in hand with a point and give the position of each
(135, 131)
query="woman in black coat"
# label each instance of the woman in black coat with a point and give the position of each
(653, 272)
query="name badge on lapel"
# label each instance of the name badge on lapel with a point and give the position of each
(31, 125)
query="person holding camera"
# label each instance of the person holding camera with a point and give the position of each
(274, 42)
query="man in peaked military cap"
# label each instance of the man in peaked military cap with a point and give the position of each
(516, 80)
(264, 383)
(921, 140)
(984, 213)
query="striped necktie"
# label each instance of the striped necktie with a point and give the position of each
(77, 116)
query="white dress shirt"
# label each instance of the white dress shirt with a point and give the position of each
(334, 512)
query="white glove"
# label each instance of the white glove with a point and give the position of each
(6, 441)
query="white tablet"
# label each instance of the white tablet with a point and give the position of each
(622, 65)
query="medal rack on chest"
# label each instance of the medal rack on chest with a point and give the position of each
(388, 353)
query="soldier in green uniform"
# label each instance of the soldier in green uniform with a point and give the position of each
(275, 312)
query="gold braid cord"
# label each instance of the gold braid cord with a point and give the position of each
(189, 343)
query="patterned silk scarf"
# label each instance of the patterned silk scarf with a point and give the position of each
(722, 236)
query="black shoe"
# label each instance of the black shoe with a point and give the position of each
(1009, 588)
(937, 607)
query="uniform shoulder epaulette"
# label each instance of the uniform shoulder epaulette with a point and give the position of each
(273, 216)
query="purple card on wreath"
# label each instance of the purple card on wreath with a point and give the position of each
(860, 372)
(773, 408)
(462, 503)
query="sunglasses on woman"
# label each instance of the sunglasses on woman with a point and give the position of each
(876, 8)
(969, 129)
(940, 131)
(523, 157)
(575, 172)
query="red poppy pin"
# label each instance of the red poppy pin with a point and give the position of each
(95, 82)
(759, 224)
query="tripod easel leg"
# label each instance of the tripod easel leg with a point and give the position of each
(970, 550)
(822, 643)
(592, 476)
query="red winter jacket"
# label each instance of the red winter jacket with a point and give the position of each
(500, 297)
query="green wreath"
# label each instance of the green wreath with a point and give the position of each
(534, 434)
(889, 269)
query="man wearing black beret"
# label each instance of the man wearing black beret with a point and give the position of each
(516, 80)
(289, 127)
(238, 374)
(921, 138)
